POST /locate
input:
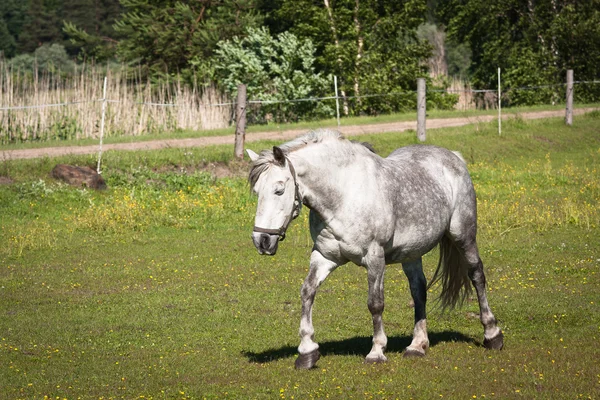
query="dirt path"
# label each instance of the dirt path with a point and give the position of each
(274, 135)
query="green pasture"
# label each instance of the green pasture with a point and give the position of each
(153, 289)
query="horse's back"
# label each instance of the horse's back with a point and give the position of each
(428, 155)
(423, 163)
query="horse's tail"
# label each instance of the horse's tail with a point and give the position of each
(452, 270)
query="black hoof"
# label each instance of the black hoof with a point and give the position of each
(409, 353)
(307, 361)
(495, 343)
(376, 360)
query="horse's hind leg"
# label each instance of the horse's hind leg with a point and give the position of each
(418, 290)
(320, 268)
(493, 337)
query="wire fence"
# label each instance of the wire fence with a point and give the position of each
(69, 103)
(180, 109)
(291, 101)
(189, 110)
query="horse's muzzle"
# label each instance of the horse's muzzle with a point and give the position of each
(265, 243)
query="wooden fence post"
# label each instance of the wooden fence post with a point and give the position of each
(240, 122)
(421, 109)
(569, 110)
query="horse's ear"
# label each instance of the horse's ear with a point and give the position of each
(279, 156)
(253, 156)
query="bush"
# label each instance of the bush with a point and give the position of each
(274, 69)
(46, 59)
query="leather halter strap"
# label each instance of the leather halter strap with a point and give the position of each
(297, 205)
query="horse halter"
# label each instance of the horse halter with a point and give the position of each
(295, 210)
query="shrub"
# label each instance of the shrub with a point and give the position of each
(46, 59)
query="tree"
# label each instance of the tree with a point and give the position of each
(438, 62)
(370, 45)
(89, 26)
(41, 25)
(533, 42)
(12, 16)
(8, 44)
(458, 57)
(27, 24)
(46, 59)
(273, 69)
(574, 35)
(172, 36)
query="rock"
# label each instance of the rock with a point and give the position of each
(78, 176)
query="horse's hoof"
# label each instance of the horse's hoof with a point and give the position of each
(376, 359)
(308, 360)
(495, 343)
(412, 353)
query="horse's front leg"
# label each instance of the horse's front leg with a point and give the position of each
(418, 289)
(375, 273)
(320, 268)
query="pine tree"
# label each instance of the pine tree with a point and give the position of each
(12, 16)
(88, 24)
(8, 44)
(170, 36)
(41, 26)
(82, 14)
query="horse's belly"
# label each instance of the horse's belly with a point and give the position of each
(411, 243)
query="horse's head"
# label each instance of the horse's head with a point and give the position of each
(273, 179)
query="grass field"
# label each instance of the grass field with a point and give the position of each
(153, 289)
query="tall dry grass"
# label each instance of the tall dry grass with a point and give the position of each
(132, 109)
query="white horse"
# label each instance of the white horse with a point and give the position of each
(373, 211)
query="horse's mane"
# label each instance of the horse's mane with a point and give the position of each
(266, 157)
(312, 137)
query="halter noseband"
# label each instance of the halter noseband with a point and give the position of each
(296, 209)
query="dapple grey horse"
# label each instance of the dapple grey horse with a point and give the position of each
(374, 211)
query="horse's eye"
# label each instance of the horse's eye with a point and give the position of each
(279, 188)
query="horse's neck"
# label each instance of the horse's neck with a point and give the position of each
(324, 178)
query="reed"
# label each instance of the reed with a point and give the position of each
(43, 106)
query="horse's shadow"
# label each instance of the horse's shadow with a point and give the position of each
(358, 346)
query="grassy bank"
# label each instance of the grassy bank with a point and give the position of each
(152, 289)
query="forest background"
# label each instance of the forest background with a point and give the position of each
(291, 49)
